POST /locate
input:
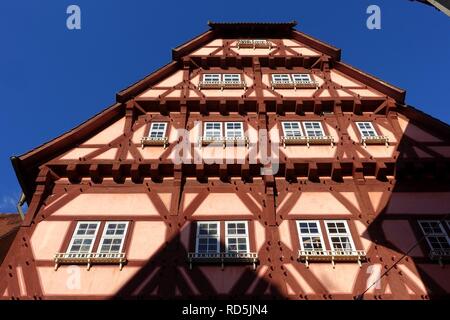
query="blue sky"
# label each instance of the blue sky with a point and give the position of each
(52, 78)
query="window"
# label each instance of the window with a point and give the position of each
(366, 129)
(234, 130)
(301, 77)
(208, 235)
(211, 77)
(113, 237)
(435, 234)
(310, 235)
(228, 77)
(236, 240)
(83, 237)
(292, 129)
(313, 129)
(213, 129)
(339, 236)
(281, 78)
(158, 130)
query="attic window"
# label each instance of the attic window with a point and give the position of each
(222, 81)
(369, 135)
(296, 80)
(156, 136)
(254, 44)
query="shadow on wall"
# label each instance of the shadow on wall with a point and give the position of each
(421, 192)
(167, 275)
(399, 246)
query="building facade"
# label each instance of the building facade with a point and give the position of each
(255, 165)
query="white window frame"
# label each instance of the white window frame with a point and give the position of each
(75, 236)
(241, 130)
(371, 129)
(300, 75)
(231, 75)
(212, 75)
(107, 236)
(199, 236)
(152, 129)
(320, 125)
(208, 122)
(299, 128)
(443, 232)
(319, 234)
(281, 75)
(246, 236)
(346, 234)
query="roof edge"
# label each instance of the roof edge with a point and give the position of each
(23, 164)
(317, 44)
(130, 92)
(374, 82)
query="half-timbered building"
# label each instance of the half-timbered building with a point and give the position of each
(257, 165)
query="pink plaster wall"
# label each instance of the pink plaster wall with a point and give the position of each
(152, 93)
(299, 279)
(400, 234)
(147, 238)
(110, 154)
(138, 134)
(107, 135)
(314, 151)
(171, 80)
(363, 235)
(47, 238)
(77, 153)
(221, 204)
(340, 79)
(185, 233)
(419, 203)
(376, 200)
(260, 236)
(99, 280)
(365, 92)
(318, 203)
(412, 274)
(285, 234)
(107, 204)
(341, 279)
(415, 132)
(222, 280)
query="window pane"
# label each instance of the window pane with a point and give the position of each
(292, 129)
(302, 77)
(281, 78)
(366, 129)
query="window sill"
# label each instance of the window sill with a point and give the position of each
(307, 256)
(440, 255)
(252, 44)
(294, 85)
(373, 140)
(89, 259)
(222, 85)
(223, 258)
(148, 141)
(224, 141)
(304, 140)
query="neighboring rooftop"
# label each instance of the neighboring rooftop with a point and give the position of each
(9, 224)
(441, 5)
